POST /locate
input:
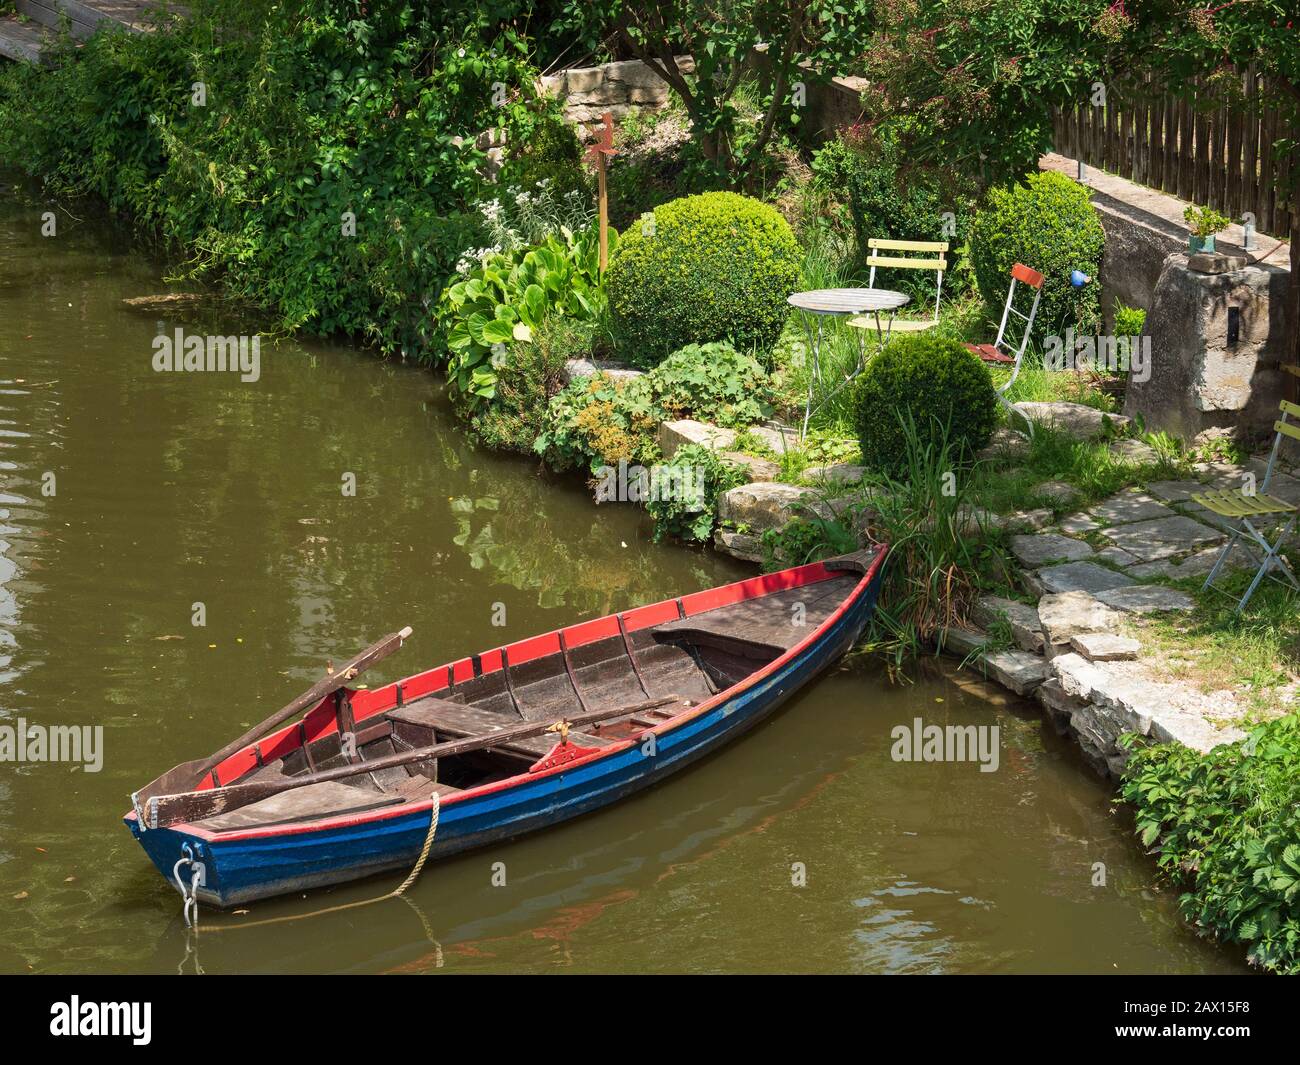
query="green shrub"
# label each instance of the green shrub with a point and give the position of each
(1129, 321)
(885, 197)
(693, 518)
(547, 154)
(1049, 225)
(717, 266)
(946, 390)
(712, 383)
(1223, 823)
(507, 297)
(526, 380)
(408, 260)
(596, 421)
(309, 181)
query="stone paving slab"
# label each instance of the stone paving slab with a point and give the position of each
(1196, 565)
(1130, 506)
(1162, 537)
(1059, 492)
(1021, 671)
(961, 641)
(1064, 615)
(1081, 577)
(1116, 556)
(1077, 524)
(1074, 418)
(1123, 697)
(1040, 548)
(1147, 598)
(1175, 491)
(1134, 450)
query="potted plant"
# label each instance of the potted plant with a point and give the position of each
(1204, 223)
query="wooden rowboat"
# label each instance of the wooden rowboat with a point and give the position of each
(497, 744)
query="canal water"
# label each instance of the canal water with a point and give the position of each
(135, 502)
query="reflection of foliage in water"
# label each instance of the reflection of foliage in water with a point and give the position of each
(586, 569)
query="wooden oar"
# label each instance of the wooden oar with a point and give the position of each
(188, 775)
(164, 810)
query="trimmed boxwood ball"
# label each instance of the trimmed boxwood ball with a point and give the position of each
(1049, 225)
(940, 383)
(717, 266)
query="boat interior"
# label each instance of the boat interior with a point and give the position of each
(690, 657)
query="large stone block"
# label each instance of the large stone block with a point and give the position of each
(1064, 615)
(1216, 344)
(1026, 628)
(1073, 418)
(1123, 697)
(763, 506)
(673, 435)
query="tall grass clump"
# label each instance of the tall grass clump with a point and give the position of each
(940, 555)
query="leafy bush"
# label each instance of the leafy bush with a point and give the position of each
(596, 421)
(526, 379)
(410, 259)
(507, 297)
(547, 155)
(885, 197)
(1223, 822)
(945, 389)
(1129, 321)
(717, 266)
(693, 517)
(1049, 225)
(304, 183)
(714, 383)
(809, 538)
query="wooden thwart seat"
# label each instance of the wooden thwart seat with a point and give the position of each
(458, 720)
(754, 624)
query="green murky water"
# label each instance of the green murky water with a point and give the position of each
(171, 490)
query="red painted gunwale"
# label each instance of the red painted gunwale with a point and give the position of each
(576, 635)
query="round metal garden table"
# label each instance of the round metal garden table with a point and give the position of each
(821, 302)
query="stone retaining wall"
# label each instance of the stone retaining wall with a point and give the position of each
(620, 87)
(589, 92)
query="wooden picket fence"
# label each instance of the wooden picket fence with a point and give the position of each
(1211, 155)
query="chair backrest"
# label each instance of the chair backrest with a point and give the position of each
(1282, 428)
(926, 255)
(1020, 275)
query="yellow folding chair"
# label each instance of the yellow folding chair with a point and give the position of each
(923, 255)
(1244, 508)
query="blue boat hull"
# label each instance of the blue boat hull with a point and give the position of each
(255, 866)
